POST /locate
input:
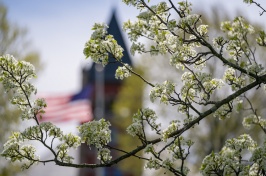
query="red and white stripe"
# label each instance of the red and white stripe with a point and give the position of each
(61, 109)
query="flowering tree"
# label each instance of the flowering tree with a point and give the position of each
(185, 38)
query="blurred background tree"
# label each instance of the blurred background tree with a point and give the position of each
(128, 101)
(13, 41)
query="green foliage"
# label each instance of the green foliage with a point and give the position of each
(248, 1)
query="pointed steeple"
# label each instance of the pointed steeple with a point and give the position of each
(109, 70)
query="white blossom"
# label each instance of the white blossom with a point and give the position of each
(101, 45)
(96, 133)
(152, 164)
(104, 155)
(123, 72)
(163, 92)
(203, 30)
(174, 125)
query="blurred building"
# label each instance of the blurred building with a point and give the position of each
(104, 88)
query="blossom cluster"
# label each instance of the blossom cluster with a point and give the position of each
(15, 151)
(153, 164)
(223, 112)
(237, 29)
(185, 7)
(232, 158)
(200, 85)
(67, 141)
(238, 45)
(101, 45)
(261, 40)
(156, 25)
(236, 82)
(162, 91)
(144, 115)
(174, 125)
(176, 150)
(98, 134)
(15, 76)
(123, 72)
(252, 120)
(104, 155)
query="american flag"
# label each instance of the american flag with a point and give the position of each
(66, 107)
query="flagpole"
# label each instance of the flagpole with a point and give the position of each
(99, 92)
(99, 110)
